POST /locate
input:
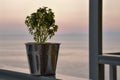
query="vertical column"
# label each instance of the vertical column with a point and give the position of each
(95, 40)
(113, 72)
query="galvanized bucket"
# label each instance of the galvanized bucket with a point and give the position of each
(42, 58)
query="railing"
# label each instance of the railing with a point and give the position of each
(96, 57)
(113, 60)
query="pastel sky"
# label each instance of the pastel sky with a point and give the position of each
(71, 15)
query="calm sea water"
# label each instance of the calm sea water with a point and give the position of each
(73, 54)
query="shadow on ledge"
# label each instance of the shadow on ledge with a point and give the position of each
(12, 75)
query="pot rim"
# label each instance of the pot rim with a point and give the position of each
(42, 43)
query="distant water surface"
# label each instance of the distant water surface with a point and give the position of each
(73, 54)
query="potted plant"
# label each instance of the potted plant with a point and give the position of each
(42, 56)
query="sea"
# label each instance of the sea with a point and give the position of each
(73, 57)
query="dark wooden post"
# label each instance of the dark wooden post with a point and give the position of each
(113, 72)
(95, 40)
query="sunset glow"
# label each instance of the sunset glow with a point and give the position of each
(71, 15)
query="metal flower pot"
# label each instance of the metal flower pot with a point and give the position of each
(42, 58)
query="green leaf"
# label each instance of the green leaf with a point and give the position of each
(41, 24)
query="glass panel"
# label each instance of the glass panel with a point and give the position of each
(111, 26)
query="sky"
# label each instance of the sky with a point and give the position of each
(71, 15)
